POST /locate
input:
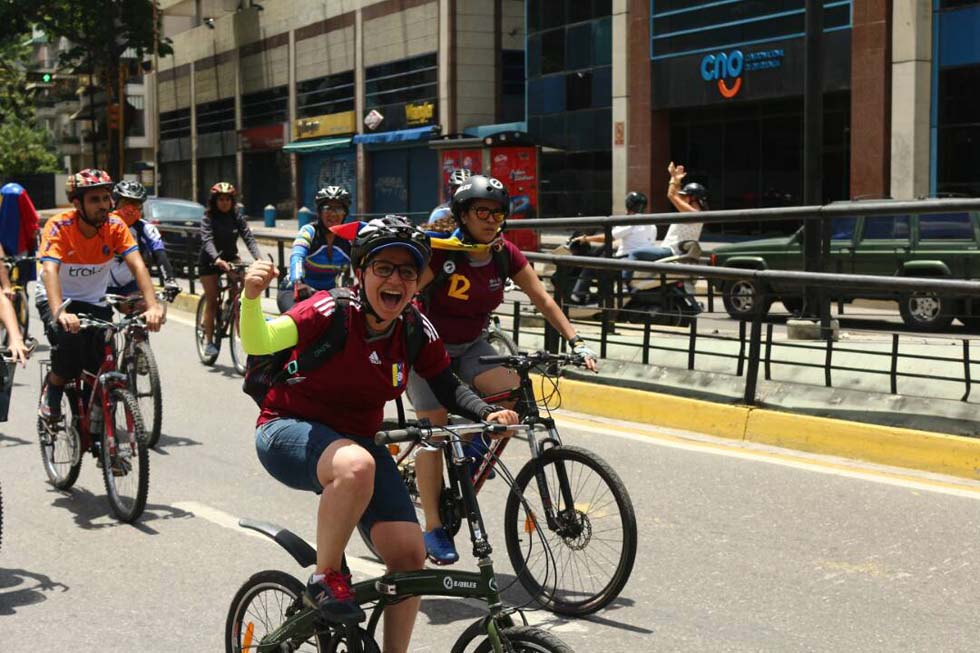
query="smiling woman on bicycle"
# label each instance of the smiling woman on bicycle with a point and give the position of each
(317, 255)
(463, 292)
(317, 434)
(220, 228)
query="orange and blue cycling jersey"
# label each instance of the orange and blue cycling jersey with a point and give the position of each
(84, 263)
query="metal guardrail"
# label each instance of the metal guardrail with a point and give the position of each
(755, 350)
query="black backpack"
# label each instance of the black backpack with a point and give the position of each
(266, 370)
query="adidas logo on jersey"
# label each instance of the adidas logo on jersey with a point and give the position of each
(374, 358)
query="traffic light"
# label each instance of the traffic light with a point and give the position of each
(112, 116)
(40, 78)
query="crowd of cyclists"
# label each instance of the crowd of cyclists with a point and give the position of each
(385, 282)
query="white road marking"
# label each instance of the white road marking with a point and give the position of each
(786, 458)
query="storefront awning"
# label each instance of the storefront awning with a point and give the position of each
(319, 145)
(399, 136)
(482, 131)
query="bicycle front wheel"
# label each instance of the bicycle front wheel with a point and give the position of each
(61, 446)
(260, 607)
(580, 563)
(143, 376)
(126, 471)
(527, 639)
(201, 339)
(238, 355)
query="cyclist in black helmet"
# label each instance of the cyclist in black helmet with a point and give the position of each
(316, 434)
(465, 287)
(318, 258)
(129, 197)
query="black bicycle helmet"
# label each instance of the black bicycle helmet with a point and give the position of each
(389, 231)
(129, 189)
(479, 187)
(694, 189)
(332, 194)
(636, 202)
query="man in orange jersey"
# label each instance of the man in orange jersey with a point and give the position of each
(77, 249)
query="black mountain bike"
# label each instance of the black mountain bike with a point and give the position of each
(137, 362)
(269, 613)
(577, 500)
(225, 320)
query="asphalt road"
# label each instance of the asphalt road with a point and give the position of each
(741, 549)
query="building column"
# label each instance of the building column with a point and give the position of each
(648, 133)
(193, 107)
(911, 99)
(363, 201)
(870, 99)
(239, 160)
(620, 103)
(447, 66)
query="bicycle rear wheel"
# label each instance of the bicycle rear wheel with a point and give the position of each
(586, 557)
(143, 376)
(502, 342)
(238, 355)
(61, 446)
(260, 607)
(200, 339)
(126, 471)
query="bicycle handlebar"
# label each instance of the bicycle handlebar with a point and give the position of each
(31, 344)
(526, 359)
(413, 433)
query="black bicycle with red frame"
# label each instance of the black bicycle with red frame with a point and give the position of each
(578, 503)
(99, 415)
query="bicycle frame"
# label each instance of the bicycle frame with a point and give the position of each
(393, 587)
(97, 386)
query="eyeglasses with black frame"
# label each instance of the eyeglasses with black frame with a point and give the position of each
(485, 213)
(384, 269)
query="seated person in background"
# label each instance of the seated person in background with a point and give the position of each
(631, 238)
(692, 197)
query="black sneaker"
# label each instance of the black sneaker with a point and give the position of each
(332, 596)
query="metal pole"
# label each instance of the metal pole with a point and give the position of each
(813, 147)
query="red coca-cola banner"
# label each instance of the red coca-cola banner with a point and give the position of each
(517, 168)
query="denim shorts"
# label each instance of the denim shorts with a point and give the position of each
(289, 449)
(466, 365)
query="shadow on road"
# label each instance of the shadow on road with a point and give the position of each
(11, 441)
(173, 441)
(227, 371)
(20, 588)
(92, 512)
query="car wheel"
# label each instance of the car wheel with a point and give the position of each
(793, 305)
(742, 299)
(925, 312)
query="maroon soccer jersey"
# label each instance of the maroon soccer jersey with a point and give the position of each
(349, 390)
(460, 308)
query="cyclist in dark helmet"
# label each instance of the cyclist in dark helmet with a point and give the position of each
(317, 255)
(466, 287)
(129, 197)
(316, 434)
(221, 226)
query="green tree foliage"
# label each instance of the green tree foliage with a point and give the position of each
(16, 102)
(25, 149)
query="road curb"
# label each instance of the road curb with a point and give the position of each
(923, 450)
(186, 302)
